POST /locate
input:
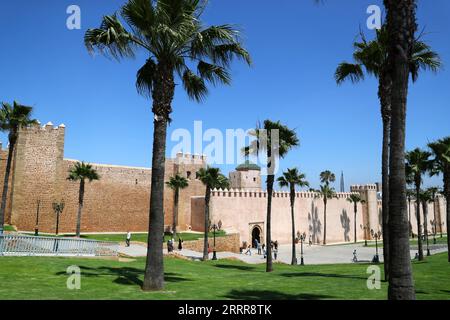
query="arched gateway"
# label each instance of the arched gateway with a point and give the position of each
(256, 235)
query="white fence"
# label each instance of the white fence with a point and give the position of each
(22, 245)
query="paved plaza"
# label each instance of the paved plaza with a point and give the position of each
(334, 254)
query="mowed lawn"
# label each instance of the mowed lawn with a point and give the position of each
(45, 278)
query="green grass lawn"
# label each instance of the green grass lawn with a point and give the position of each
(141, 237)
(45, 278)
(414, 242)
(9, 228)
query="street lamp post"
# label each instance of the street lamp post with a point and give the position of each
(376, 236)
(366, 229)
(36, 228)
(214, 227)
(428, 244)
(58, 208)
(302, 239)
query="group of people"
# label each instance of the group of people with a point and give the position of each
(171, 245)
(262, 249)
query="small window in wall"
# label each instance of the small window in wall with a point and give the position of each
(188, 174)
(254, 179)
(136, 181)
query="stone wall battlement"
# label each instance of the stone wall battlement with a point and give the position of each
(358, 188)
(239, 193)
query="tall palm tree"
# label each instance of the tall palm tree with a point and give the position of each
(434, 191)
(401, 27)
(418, 163)
(410, 193)
(327, 193)
(274, 140)
(212, 179)
(372, 57)
(441, 164)
(12, 118)
(426, 197)
(173, 37)
(327, 177)
(81, 172)
(355, 199)
(291, 179)
(176, 183)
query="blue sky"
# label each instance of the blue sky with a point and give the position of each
(296, 47)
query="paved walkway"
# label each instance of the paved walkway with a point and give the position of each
(335, 254)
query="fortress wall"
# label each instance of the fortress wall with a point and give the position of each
(39, 154)
(118, 202)
(3, 159)
(241, 210)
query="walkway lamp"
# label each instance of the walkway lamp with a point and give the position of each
(367, 230)
(428, 244)
(58, 207)
(214, 228)
(376, 236)
(302, 239)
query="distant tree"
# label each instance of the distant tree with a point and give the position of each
(274, 147)
(410, 193)
(327, 193)
(291, 179)
(212, 179)
(176, 183)
(441, 164)
(355, 199)
(12, 118)
(81, 172)
(417, 164)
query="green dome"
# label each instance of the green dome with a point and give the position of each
(247, 165)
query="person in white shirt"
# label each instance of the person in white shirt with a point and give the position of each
(128, 238)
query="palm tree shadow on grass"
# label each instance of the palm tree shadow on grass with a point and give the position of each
(272, 295)
(241, 268)
(125, 275)
(324, 275)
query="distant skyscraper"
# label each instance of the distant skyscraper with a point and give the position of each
(342, 182)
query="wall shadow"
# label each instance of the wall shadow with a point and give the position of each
(315, 226)
(241, 268)
(324, 275)
(345, 223)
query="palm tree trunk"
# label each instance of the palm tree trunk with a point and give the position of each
(401, 27)
(409, 217)
(384, 94)
(354, 221)
(162, 94)
(12, 143)
(205, 239)
(175, 212)
(294, 256)
(270, 181)
(419, 223)
(154, 271)
(425, 225)
(324, 220)
(447, 199)
(80, 207)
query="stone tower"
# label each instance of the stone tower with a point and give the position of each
(247, 176)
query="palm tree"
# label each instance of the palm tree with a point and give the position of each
(176, 183)
(441, 164)
(425, 198)
(401, 27)
(418, 163)
(434, 191)
(212, 179)
(355, 199)
(372, 57)
(81, 172)
(290, 179)
(410, 193)
(326, 192)
(12, 118)
(327, 177)
(274, 140)
(171, 34)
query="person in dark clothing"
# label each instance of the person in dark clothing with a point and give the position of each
(180, 244)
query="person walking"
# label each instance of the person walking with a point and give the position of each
(180, 244)
(128, 239)
(264, 251)
(259, 248)
(310, 240)
(249, 251)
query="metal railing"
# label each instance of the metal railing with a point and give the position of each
(23, 245)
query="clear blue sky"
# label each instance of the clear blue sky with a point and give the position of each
(296, 47)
